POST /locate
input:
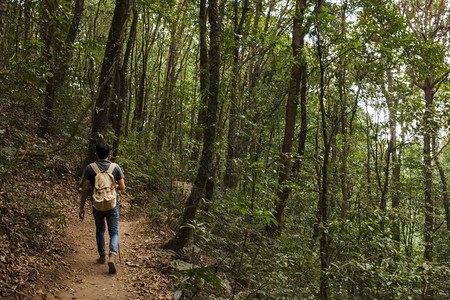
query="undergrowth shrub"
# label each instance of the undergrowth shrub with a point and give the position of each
(366, 263)
(251, 263)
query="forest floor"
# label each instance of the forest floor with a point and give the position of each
(143, 268)
(66, 267)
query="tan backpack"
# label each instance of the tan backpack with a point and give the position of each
(104, 195)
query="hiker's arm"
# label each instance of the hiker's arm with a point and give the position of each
(121, 184)
(84, 194)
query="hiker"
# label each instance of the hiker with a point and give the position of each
(102, 178)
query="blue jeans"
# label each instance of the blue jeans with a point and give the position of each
(112, 219)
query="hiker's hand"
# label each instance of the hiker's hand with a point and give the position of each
(81, 213)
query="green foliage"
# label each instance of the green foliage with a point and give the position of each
(145, 173)
(252, 264)
(380, 268)
(194, 281)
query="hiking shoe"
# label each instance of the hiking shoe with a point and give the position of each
(102, 259)
(112, 264)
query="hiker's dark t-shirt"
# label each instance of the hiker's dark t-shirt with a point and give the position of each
(89, 173)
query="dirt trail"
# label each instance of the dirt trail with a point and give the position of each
(142, 269)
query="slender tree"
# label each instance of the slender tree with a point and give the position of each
(4, 5)
(71, 36)
(205, 166)
(49, 36)
(58, 54)
(204, 80)
(300, 28)
(392, 151)
(343, 104)
(111, 62)
(327, 137)
(230, 177)
(27, 20)
(170, 78)
(443, 176)
(427, 21)
(121, 86)
(138, 117)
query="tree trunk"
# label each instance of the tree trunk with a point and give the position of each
(121, 87)
(3, 25)
(49, 37)
(205, 168)
(230, 177)
(298, 35)
(204, 81)
(427, 172)
(303, 117)
(27, 21)
(253, 69)
(368, 156)
(130, 90)
(57, 59)
(428, 178)
(110, 64)
(138, 117)
(428, 22)
(75, 23)
(345, 152)
(396, 168)
(444, 185)
(323, 193)
(72, 33)
(166, 112)
(327, 137)
(391, 103)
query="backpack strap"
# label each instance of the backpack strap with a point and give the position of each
(95, 168)
(111, 168)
